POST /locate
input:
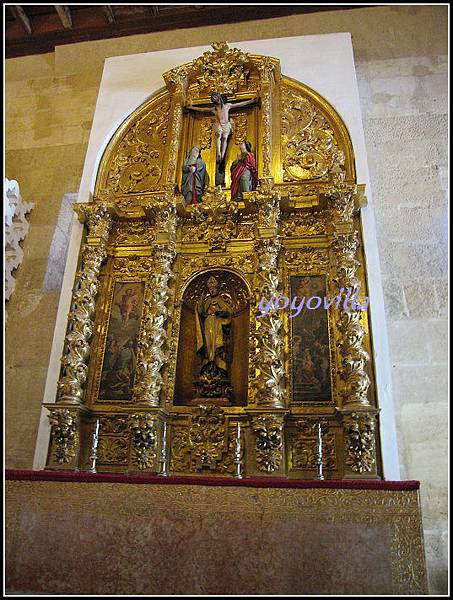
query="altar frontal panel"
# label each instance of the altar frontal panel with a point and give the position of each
(105, 538)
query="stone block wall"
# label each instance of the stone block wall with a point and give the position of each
(401, 60)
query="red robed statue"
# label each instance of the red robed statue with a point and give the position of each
(244, 176)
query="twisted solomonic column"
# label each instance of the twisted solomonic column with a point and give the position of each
(267, 387)
(355, 381)
(151, 349)
(80, 318)
(357, 413)
(152, 354)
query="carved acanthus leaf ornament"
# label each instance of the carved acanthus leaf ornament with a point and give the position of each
(310, 150)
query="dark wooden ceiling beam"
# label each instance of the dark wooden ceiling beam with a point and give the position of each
(90, 23)
(20, 15)
(65, 15)
(108, 11)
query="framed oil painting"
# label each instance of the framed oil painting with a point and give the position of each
(310, 336)
(120, 356)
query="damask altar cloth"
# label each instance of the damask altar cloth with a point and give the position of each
(82, 533)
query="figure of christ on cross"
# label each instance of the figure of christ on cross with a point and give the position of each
(223, 124)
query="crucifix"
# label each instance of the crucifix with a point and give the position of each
(223, 125)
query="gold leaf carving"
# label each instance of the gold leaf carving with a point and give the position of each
(303, 447)
(113, 450)
(134, 265)
(203, 444)
(64, 425)
(307, 259)
(268, 441)
(136, 165)
(80, 329)
(144, 438)
(216, 218)
(309, 147)
(359, 441)
(266, 387)
(224, 70)
(240, 128)
(302, 224)
(113, 424)
(206, 134)
(133, 233)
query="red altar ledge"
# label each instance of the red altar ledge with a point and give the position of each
(156, 535)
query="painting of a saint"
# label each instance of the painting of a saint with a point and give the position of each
(311, 358)
(120, 357)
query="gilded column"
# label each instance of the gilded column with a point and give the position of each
(152, 354)
(80, 323)
(176, 81)
(266, 388)
(266, 68)
(355, 381)
(66, 415)
(356, 412)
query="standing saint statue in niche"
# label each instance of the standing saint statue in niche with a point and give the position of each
(244, 176)
(213, 314)
(223, 127)
(193, 177)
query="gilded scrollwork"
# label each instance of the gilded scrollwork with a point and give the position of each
(132, 266)
(305, 224)
(143, 428)
(113, 424)
(244, 263)
(113, 450)
(303, 446)
(133, 233)
(97, 218)
(268, 441)
(360, 441)
(137, 163)
(215, 218)
(176, 79)
(206, 134)
(163, 214)
(307, 259)
(266, 68)
(203, 444)
(310, 148)
(64, 424)
(240, 128)
(266, 200)
(224, 69)
(245, 230)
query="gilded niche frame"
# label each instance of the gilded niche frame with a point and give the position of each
(301, 220)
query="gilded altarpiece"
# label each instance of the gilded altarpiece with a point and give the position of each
(170, 365)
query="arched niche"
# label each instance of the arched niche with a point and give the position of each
(234, 291)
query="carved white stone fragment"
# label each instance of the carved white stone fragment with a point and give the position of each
(16, 228)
